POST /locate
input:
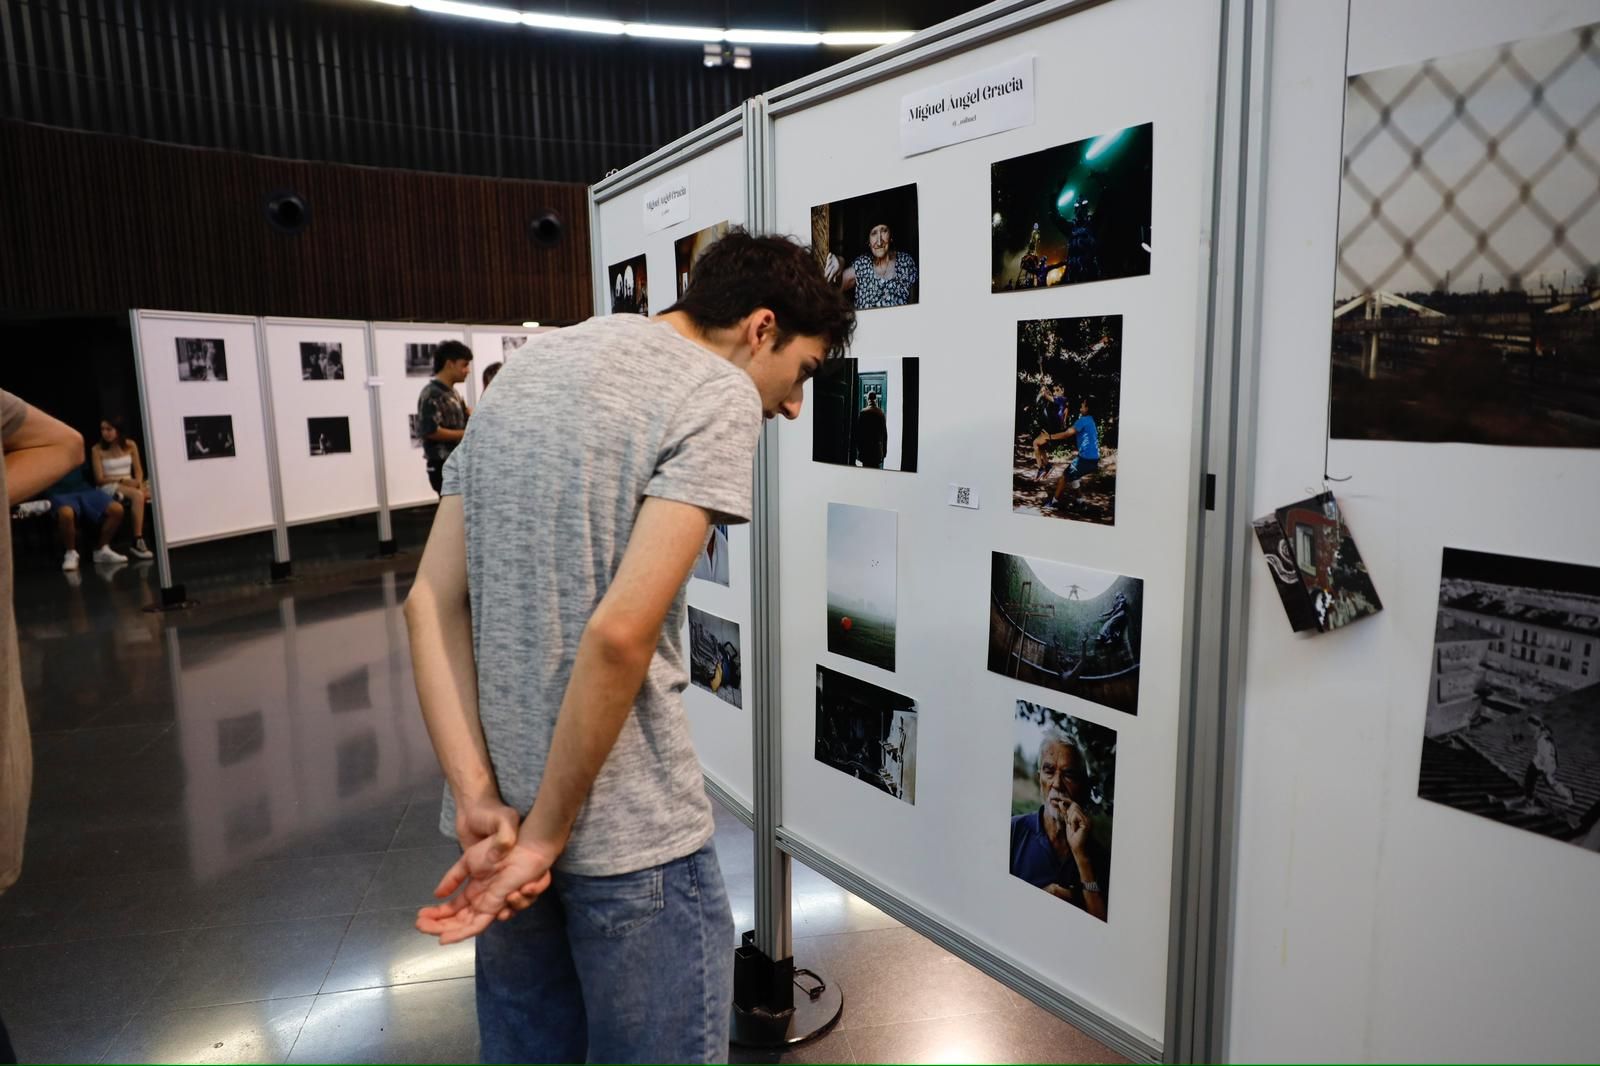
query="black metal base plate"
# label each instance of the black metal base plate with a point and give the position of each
(810, 1018)
(173, 598)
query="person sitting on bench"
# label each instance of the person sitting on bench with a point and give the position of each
(73, 496)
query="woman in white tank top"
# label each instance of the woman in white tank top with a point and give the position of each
(119, 472)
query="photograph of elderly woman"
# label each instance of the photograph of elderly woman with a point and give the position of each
(867, 245)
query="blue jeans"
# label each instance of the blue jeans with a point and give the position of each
(632, 968)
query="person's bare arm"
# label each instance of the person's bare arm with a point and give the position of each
(41, 452)
(94, 463)
(138, 465)
(442, 434)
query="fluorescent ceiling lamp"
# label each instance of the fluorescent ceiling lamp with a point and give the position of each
(865, 38)
(672, 33)
(574, 25)
(530, 325)
(772, 37)
(470, 11)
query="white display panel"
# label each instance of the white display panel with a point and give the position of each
(327, 383)
(1370, 924)
(497, 344)
(948, 854)
(213, 494)
(722, 733)
(403, 462)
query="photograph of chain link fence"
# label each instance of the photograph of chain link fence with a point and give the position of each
(1467, 296)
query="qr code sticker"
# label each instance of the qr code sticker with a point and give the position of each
(964, 496)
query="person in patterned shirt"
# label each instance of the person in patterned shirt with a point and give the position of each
(880, 277)
(441, 412)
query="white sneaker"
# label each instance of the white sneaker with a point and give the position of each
(106, 555)
(31, 508)
(139, 551)
(69, 561)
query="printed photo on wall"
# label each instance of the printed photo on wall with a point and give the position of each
(202, 359)
(1316, 568)
(1069, 395)
(416, 433)
(864, 413)
(629, 287)
(328, 436)
(861, 583)
(714, 656)
(1074, 213)
(1464, 296)
(686, 251)
(1067, 627)
(712, 565)
(321, 361)
(1063, 789)
(868, 246)
(867, 732)
(512, 343)
(419, 359)
(208, 436)
(1513, 723)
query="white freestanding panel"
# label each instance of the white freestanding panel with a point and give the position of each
(202, 499)
(1099, 70)
(496, 344)
(321, 486)
(1371, 925)
(397, 394)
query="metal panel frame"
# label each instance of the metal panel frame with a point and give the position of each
(280, 528)
(718, 131)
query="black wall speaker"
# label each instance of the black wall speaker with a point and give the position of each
(546, 229)
(288, 212)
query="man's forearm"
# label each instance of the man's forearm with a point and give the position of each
(447, 688)
(446, 436)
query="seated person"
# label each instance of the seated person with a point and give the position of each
(73, 496)
(119, 472)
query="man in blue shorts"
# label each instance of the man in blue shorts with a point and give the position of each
(73, 498)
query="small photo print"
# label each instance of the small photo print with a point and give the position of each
(867, 732)
(1075, 213)
(208, 436)
(1069, 396)
(321, 361)
(688, 250)
(864, 413)
(1316, 568)
(202, 359)
(1513, 725)
(630, 288)
(1068, 628)
(511, 343)
(712, 565)
(867, 245)
(862, 553)
(413, 420)
(328, 436)
(419, 358)
(1063, 786)
(714, 662)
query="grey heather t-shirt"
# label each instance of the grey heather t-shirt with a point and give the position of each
(556, 462)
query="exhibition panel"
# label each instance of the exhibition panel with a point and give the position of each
(1419, 811)
(323, 417)
(404, 357)
(496, 344)
(1000, 624)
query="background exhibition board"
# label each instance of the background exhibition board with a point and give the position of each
(722, 733)
(1370, 924)
(947, 855)
(321, 486)
(203, 499)
(402, 460)
(496, 344)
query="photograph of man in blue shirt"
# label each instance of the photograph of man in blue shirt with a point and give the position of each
(1055, 846)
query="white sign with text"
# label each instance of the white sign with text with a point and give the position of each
(666, 205)
(988, 101)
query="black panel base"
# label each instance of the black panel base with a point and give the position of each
(282, 572)
(777, 1006)
(388, 548)
(173, 598)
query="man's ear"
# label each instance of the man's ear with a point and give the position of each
(763, 328)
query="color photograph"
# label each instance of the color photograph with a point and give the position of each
(1072, 214)
(321, 361)
(629, 287)
(419, 359)
(1069, 395)
(208, 436)
(1466, 301)
(714, 656)
(861, 583)
(867, 245)
(1063, 788)
(1512, 731)
(1068, 628)
(328, 436)
(1311, 550)
(712, 564)
(202, 359)
(864, 414)
(686, 251)
(867, 732)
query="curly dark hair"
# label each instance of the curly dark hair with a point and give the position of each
(741, 273)
(449, 352)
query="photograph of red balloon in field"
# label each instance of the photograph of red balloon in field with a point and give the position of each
(861, 583)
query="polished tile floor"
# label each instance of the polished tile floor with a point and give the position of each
(235, 818)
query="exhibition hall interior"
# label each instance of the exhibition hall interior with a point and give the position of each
(422, 652)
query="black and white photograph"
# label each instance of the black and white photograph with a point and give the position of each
(1069, 401)
(328, 436)
(208, 436)
(1464, 296)
(202, 359)
(1072, 214)
(1512, 731)
(712, 563)
(864, 414)
(862, 553)
(867, 245)
(686, 251)
(868, 733)
(512, 343)
(321, 361)
(630, 287)
(714, 661)
(419, 358)
(413, 424)
(1067, 628)
(1063, 793)
(1316, 567)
